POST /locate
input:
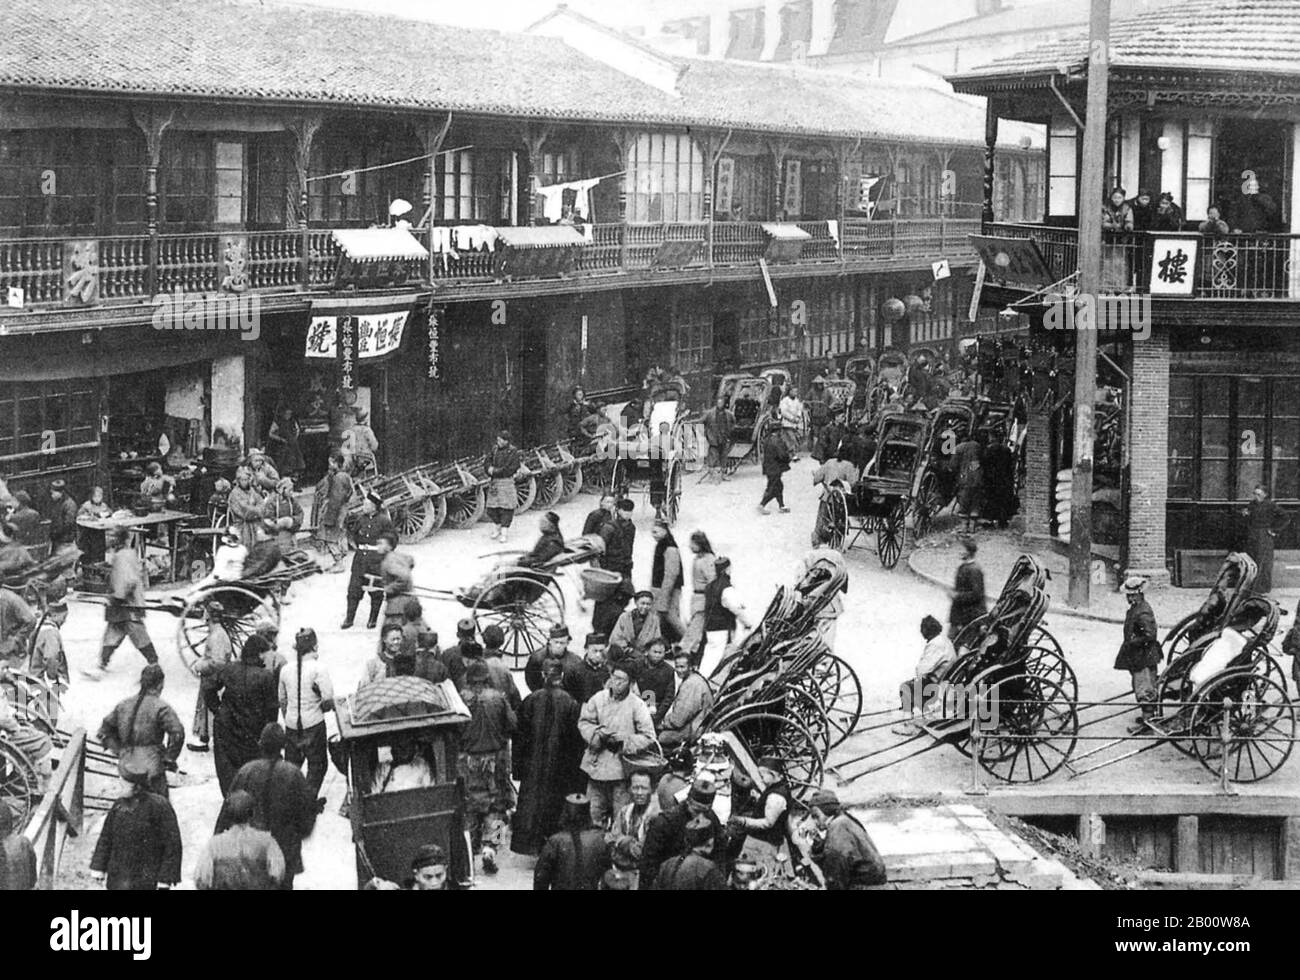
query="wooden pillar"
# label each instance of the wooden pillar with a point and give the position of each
(713, 150)
(622, 140)
(535, 138)
(1092, 834)
(1187, 856)
(153, 121)
(304, 129)
(780, 150)
(990, 158)
(433, 135)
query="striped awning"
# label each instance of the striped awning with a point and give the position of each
(543, 236)
(785, 231)
(379, 244)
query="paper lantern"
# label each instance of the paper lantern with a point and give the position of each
(913, 305)
(893, 309)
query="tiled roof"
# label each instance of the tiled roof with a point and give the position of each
(251, 52)
(1193, 35)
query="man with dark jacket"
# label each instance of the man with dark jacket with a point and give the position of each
(665, 837)
(124, 614)
(619, 536)
(848, 859)
(776, 460)
(243, 695)
(139, 848)
(557, 648)
(286, 805)
(502, 463)
(575, 858)
(484, 763)
(968, 600)
(466, 648)
(599, 517)
(692, 871)
(365, 527)
(1140, 652)
(591, 673)
(145, 730)
(63, 516)
(547, 760)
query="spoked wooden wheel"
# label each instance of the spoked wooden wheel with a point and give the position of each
(838, 690)
(524, 609)
(924, 506)
(1032, 728)
(833, 516)
(766, 733)
(20, 788)
(464, 509)
(242, 611)
(891, 535)
(1039, 637)
(673, 492)
(572, 478)
(416, 520)
(550, 488)
(620, 478)
(1260, 721)
(1049, 664)
(1173, 690)
(526, 491)
(1266, 666)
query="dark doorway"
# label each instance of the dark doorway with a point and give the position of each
(532, 383)
(1261, 145)
(726, 343)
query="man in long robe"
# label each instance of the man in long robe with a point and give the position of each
(243, 695)
(547, 752)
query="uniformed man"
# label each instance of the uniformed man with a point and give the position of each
(1140, 652)
(365, 527)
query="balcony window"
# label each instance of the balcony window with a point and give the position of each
(665, 179)
(71, 183)
(475, 186)
(819, 190)
(188, 181)
(1228, 434)
(360, 197)
(1063, 168)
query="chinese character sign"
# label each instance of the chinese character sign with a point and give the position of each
(1173, 266)
(726, 181)
(322, 337)
(373, 335)
(347, 351)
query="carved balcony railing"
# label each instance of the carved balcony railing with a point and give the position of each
(43, 273)
(1236, 267)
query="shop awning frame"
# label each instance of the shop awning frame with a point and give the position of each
(379, 244)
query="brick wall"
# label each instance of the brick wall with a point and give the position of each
(1149, 453)
(1036, 499)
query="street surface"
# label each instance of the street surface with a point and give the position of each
(878, 634)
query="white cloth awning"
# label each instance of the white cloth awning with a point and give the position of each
(785, 230)
(379, 244)
(543, 236)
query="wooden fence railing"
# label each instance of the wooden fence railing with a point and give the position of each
(61, 811)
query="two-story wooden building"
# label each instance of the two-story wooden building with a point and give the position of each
(1204, 101)
(193, 197)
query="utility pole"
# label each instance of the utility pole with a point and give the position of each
(1091, 188)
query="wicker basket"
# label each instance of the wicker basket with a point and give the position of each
(597, 583)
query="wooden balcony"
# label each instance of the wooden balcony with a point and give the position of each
(65, 274)
(1227, 267)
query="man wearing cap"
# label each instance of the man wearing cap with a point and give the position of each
(613, 723)
(656, 680)
(366, 527)
(457, 656)
(546, 758)
(63, 516)
(265, 476)
(624, 859)
(124, 614)
(145, 730)
(619, 536)
(502, 464)
(330, 507)
(557, 648)
(282, 515)
(499, 675)
(286, 805)
(25, 520)
(576, 857)
(1140, 653)
(692, 871)
(396, 573)
(847, 858)
(591, 673)
(665, 837)
(429, 870)
(685, 715)
(139, 847)
(306, 694)
(244, 506)
(602, 515)
(217, 649)
(635, 630)
(967, 594)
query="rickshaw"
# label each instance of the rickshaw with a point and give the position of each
(651, 456)
(952, 423)
(888, 493)
(745, 396)
(389, 826)
(1231, 587)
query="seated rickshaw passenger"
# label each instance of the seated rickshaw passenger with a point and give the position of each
(549, 545)
(836, 471)
(406, 768)
(228, 562)
(264, 557)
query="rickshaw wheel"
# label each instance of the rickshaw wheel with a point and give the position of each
(1261, 726)
(243, 610)
(1049, 664)
(1174, 685)
(1179, 638)
(416, 520)
(891, 535)
(1034, 729)
(550, 488)
(767, 733)
(673, 492)
(526, 491)
(526, 622)
(466, 507)
(620, 479)
(19, 784)
(572, 478)
(839, 692)
(833, 516)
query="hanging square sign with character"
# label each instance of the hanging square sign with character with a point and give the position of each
(1173, 266)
